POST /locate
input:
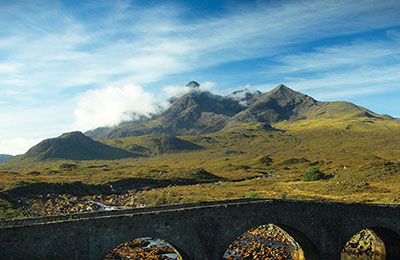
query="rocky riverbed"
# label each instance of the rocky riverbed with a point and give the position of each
(364, 245)
(265, 242)
(144, 248)
(56, 204)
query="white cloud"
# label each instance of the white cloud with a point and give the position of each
(18, 145)
(178, 91)
(175, 90)
(144, 44)
(111, 105)
(243, 94)
(52, 53)
(207, 85)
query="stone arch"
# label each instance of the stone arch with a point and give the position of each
(148, 248)
(374, 243)
(287, 238)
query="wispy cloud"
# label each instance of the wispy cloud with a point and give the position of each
(345, 55)
(53, 51)
(142, 45)
(342, 71)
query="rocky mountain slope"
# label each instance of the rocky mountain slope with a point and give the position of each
(356, 150)
(283, 103)
(197, 112)
(200, 112)
(149, 145)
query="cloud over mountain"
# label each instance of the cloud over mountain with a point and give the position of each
(111, 105)
(178, 91)
(55, 51)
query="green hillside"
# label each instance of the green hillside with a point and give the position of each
(70, 146)
(355, 152)
(152, 144)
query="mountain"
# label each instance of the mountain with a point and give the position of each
(245, 96)
(283, 103)
(197, 112)
(200, 112)
(164, 143)
(72, 146)
(153, 144)
(5, 157)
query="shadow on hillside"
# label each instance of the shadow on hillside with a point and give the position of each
(82, 189)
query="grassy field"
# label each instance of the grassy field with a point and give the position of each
(360, 159)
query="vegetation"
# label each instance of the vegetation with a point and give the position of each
(359, 152)
(266, 160)
(313, 174)
(252, 195)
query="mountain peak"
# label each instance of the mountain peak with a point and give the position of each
(72, 146)
(286, 94)
(193, 85)
(200, 112)
(282, 88)
(73, 134)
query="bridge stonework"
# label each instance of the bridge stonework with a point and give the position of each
(200, 230)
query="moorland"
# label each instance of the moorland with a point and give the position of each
(278, 144)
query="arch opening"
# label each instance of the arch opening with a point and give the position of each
(271, 242)
(372, 244)
(145, 248)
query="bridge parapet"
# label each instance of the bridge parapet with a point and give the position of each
(201, 230)
(85, 215)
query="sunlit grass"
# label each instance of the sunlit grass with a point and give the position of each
(361, 156)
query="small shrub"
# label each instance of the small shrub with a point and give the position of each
(293, 161)
(252, 195)
(68, 166)
(266, 160)
(313, 174)
(35, 173)
(234, 152)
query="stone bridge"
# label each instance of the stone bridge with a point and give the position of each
(200, 230)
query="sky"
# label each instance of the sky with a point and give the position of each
(77, 65)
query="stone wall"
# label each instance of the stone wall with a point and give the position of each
(201, 230)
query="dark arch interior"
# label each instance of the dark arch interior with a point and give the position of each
(310, 251)
(391, 240)
(386, 241)
(293, 243)
(146, 248)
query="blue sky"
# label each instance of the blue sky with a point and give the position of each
(75, 65)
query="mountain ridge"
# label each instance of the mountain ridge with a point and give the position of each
(201, 112)
(195, 113)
